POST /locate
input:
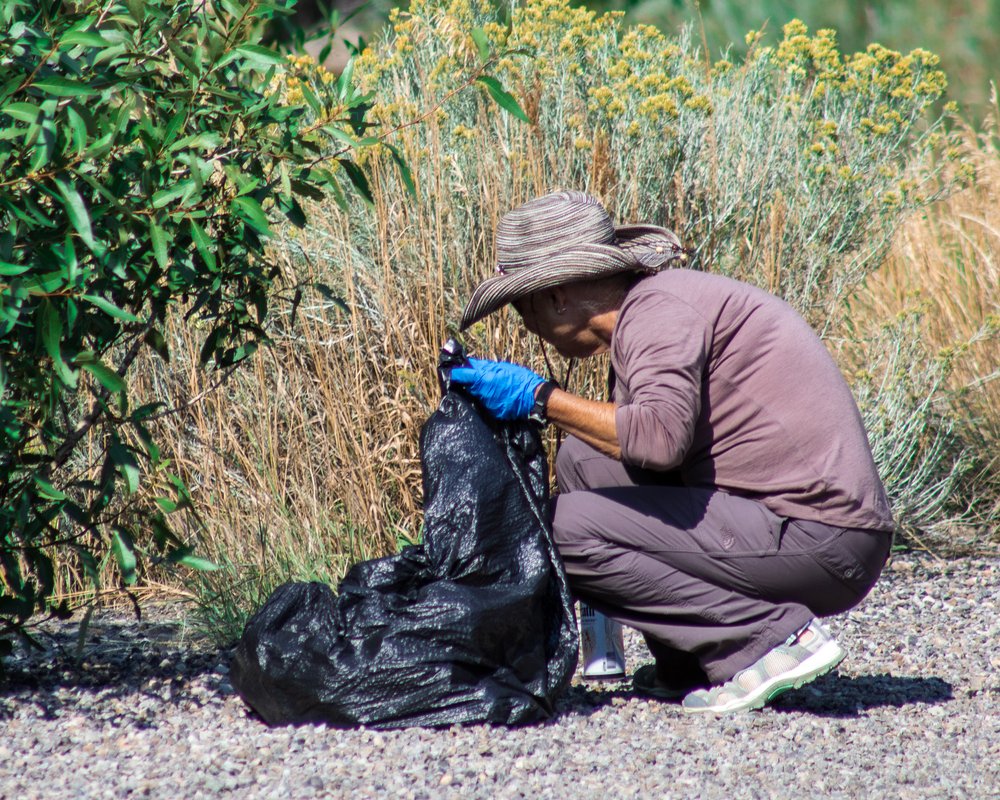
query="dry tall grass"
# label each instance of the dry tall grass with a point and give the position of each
(945, 265)
(307, 459)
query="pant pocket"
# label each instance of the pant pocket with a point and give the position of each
(855, 558)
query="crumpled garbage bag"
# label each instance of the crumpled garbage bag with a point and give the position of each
(474, 625)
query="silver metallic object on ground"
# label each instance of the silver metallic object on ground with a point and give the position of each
(602, 645)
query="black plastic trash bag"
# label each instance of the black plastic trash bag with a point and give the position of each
(475, 625)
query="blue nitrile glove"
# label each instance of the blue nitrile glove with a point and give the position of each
(506, 390)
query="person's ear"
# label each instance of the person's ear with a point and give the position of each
(559, 299)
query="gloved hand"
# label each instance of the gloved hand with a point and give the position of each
(506, 390)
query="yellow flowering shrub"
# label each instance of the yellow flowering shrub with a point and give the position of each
(789, 169)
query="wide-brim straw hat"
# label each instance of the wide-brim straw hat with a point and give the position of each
(565, 237)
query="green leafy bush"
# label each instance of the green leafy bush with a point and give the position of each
(145, 153)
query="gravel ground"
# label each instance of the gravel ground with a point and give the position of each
(914, 712)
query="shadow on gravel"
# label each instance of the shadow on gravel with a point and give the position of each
(849, 696)
(583, 700)
(829, 696)
(118, 660)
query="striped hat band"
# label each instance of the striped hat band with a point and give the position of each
(562, 238)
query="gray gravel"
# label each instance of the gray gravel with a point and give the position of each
(914, 712)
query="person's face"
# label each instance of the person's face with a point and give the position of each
(552, 315)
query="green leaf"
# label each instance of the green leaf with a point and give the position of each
(108, 378)
(358, 179)
(78, 125)
(124, 552)
(404, 170)
(260, 55)
(198, 141)
(24, 112)
(292, 209)
(51, 333)
(72, 312)
(211, 345)
(48, 283)
(47, 490)
(329, 294)
(159, 241)
(338, 195)
(186, 557)
(306, 190)
(198, 563)
(345, 81)
(482, 43)
(244, 183)
(166, 504)
(76, 210)
(28, 210)
(89, 566)
(137, 9)
(63, 87)
(503, 98)
(86, 38)
(311, 99)
(178, 51)
(10, 270)
(162, 535)
(203, 244)
(124, 459)
(154, 339)
(343, 135)
(11, 85)
(249, 209)
(110, 308)
(165, 196)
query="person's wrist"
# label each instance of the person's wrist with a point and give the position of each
(540, 408)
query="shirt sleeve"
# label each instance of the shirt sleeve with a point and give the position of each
(660, 355)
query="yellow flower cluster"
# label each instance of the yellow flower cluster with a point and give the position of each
(658, 105)
(626, 77)
(699, 102)
(802, 55)
(302, 74)
(592, 85)
(464, 132)
(720, 68)
(877, 72)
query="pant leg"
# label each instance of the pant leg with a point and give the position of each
(650, 557)
(702, 571)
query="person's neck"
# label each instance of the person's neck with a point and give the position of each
(603, 325)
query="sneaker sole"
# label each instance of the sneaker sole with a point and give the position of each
(819, 663)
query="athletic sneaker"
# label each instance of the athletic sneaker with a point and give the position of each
(805, 655)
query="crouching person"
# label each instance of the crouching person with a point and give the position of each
(727, 498)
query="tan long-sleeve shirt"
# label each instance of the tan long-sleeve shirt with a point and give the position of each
(731, 387)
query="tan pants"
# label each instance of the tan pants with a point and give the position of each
(700, 572)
